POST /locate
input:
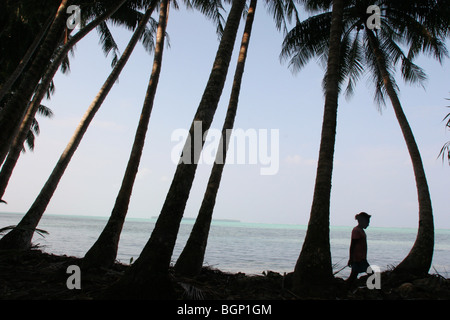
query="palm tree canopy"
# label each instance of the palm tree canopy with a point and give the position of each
(420, 28)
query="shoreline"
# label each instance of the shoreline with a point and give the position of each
(62, 240)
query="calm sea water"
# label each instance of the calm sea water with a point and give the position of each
(235, 246)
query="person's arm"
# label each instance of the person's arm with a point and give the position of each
(356, 236)
(352, 246)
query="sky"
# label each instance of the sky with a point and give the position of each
(372, 169)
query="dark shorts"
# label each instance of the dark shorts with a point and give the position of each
(360, 267)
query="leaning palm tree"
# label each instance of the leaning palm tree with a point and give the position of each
(104, 251)
(421, 26)
(149, 277)
(191, 258)
(418, 261)
(21, 236)
(425, 27)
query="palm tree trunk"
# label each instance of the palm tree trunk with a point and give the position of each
(20, 237)
(191, 258)
(12, 114)
(418, 261)
(16, 148)
(313, 269)
(104, 251)
(148, 277)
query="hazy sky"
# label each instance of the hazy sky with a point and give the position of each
(372, 172)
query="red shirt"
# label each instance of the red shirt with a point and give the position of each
(359, 244)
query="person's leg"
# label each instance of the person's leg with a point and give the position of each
(353, 276)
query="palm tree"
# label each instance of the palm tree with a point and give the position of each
(418, 261)
(104, 251)
(421, 25)
(191, 259)
(12, 114)
(148, 277)
(41, 90)
(20, 237)
(313, 266)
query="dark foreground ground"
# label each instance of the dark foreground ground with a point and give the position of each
(35, 275)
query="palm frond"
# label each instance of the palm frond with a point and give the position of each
(278, 11)
(107, 41)
(35, 129)
(30, 138)
(308, 39)
(50, 90)
(41, 232)
(127, 16)
(65, 65)
(316, 5)
(387, 40)
(292, 11)
(45, 111)
(445, 152)
(412, 73)
(147, 38)
(355, 61)
(447, 117)
(376, 74)
(419, 36)
(213, 10)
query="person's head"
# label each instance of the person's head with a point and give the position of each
(363, 219)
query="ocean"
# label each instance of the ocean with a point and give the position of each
(235, 246)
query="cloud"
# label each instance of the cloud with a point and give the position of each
(299, 160)
(64, 122)
(142, 173)
(108, 125)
